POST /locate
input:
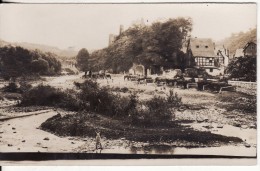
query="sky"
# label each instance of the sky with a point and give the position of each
(89, 25)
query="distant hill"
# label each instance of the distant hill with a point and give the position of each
(3, 43)
(67, 53)
(238, 40)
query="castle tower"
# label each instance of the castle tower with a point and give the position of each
(111, 39)
(121, 29)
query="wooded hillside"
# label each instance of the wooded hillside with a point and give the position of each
(238, 40)
(154, 44)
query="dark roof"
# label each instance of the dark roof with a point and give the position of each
(202, 47)
(252, 42)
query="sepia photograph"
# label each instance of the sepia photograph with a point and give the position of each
(128, 81)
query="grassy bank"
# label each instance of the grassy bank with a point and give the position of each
(85, 125)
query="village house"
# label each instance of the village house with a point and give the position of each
(250, 49)
(223, 54)
(203, 51)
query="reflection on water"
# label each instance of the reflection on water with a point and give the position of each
(248, 135)
(159, 149)
(169, 150)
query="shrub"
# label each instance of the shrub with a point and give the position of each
(124, 89)
(70, 101)
(49, 96)
(173, 100)
(239, 68)
(24, 86)
(95, 98)
(159, 110)
(102, 100)
(11, 87)
(69, 71)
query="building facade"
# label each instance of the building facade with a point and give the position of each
(250, 49)
(203, 52)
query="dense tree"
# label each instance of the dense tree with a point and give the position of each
(17, 61)
(243, 68)
(82, 59)
(158, 44)
(40, 66)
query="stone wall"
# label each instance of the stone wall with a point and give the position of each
(245, 87)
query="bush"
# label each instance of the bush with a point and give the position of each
(102, 100)
(12, 87)
(160, 110)
(157, 109)
(24, 86)
(95, 98)
(70, 101)
(49, 96)
(243, 67)
(69, 71)
(173, 100)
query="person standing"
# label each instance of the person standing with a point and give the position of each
(98, 141)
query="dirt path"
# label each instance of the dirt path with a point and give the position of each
(62, 82)
(22, 135)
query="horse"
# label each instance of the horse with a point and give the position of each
(95, 75)
(107, 76)
(77, 84)
(159, 80)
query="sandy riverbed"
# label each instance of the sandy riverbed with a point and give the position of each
(22, 134)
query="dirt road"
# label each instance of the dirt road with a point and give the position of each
(62, 82)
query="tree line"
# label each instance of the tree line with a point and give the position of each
(159, 44)
(18, 61)
(156, 44)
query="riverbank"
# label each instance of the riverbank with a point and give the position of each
(209, 120)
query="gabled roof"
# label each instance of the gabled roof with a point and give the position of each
(202, 47)
(252, 42)
(239, 53)
(222, 51)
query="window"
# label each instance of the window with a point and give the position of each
(197, 46)
(206, 46)
(210, 61)
(211, 70)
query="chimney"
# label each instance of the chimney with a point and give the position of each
(214, 46)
